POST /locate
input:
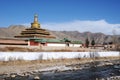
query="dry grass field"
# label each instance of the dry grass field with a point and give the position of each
(45, 49)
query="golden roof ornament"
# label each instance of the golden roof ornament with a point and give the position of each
(35, 24)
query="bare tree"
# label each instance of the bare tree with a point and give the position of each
(94, 56)
(116, 41)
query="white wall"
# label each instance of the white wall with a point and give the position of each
(5, 56)
(77, 45)
(63, 45)
(56, 44)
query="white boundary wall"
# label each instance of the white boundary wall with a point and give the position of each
(5, 56)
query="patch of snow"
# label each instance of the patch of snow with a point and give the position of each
(5, 56)
(56, 68)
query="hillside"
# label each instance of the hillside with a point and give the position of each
(75, 35)
(13, 30)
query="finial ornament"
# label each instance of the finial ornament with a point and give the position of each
(35, 24)
(36, 15)
(35, 18)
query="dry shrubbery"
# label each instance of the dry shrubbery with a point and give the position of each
(25, 49)
(19, 49)
(11, 49)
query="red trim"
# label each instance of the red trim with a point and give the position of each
(32, 43)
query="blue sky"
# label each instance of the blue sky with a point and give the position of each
(59, 11)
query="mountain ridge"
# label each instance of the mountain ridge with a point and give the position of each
(14, 30)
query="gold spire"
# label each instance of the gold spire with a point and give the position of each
(35, 24)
